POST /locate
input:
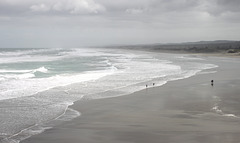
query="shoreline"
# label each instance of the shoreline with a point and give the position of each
(187, 52)
(146, 116)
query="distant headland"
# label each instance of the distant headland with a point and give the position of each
(205, 47)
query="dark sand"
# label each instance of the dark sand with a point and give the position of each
(178, 112)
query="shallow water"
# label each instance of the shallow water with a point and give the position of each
(38, 85)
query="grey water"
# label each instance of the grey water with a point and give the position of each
(38, 85)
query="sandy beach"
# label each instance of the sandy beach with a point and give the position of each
(183, 111)
(119, 71)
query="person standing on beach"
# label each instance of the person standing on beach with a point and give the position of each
(212, 82)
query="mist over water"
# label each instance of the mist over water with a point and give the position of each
(38, 85)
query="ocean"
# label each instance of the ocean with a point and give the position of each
(37, 86)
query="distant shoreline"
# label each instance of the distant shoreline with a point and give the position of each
(209, 48)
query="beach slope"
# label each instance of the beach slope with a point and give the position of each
(183, 111)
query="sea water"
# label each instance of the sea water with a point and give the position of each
(38, 85)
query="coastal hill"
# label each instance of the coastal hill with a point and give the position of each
(219, 46)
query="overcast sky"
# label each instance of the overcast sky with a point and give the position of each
(80, 23)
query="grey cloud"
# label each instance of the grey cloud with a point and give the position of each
(135, 11)
(220, 7)
(94, 22)
(78, 7)
(229, 5)
(10, 10)
(13, 7)
(173, 5)
(40, 8)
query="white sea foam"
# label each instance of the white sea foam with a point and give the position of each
(17, 76)
(190, 58)
(217, 110)
(6, 75)
(41, 69)
(27, 87)
(220, 112)
(35, 129)
(24, 134)
(231, 115)
(82, 53)
(207, 72)
(33, 55)
(14, 71)
(27, 58)
(21, 52)
(116, 73)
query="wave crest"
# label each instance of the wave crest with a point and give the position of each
(20, 74)
(41, 69)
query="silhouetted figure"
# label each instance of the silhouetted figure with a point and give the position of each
(212, 82)
(153, 84)
(146, 85)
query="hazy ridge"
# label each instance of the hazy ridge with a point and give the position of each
(218, 46)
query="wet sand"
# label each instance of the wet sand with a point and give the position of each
(180, 111)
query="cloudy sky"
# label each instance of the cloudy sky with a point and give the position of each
(79, 23)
